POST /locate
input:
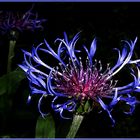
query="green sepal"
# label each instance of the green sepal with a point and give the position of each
(84, 107)
(87, 106)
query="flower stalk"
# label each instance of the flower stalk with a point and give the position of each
(12, 44)
(77, 120)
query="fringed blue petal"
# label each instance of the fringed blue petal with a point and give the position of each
(50, 88)
(29, 99)
(88, 54)
(23, 67)
(37, 91)
(116, 99)
(73, 42)
(133, 86)
(51, 51)
(39, 107)
(37, 80)
(70, 106)
(105, 107)
(30, 66)
(131, 101)
(66, 38)
(124, 58)
(70, 47)
(92, 49)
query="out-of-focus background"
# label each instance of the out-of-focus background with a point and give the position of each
(110, 23)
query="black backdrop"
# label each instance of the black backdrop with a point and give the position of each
(109, 22)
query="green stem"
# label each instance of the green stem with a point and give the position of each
(11, 54)
(12, 44)
(77, 120)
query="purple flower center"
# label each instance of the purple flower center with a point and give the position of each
(83, 83)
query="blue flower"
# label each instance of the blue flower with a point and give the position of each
(18, 21)
(76, 84)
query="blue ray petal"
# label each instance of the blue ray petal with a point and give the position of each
(105, 107)
(92, 48)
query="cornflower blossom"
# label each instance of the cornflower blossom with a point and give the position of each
(17, 21)
(75, 83)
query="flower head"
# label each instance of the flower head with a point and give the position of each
(18, 21)
(78, 85)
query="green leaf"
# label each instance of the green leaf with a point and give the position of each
(9, 82)
(45, 127)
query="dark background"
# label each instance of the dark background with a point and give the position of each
(110, 23)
